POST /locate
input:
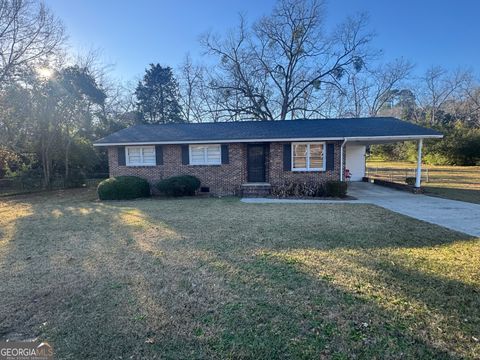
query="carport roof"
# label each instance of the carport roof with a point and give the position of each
(355, 129)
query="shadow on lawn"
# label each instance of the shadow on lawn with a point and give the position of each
(110, 276)
(456, 305)
(297, 315)
(62, 280)
(468, 195)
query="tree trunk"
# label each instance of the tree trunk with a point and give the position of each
(45, 164)
(284, 112)
(67, 158)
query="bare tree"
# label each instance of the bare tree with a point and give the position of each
(439, 87)
(239, 81)
(300, 58)
(471, 91)
(270, 69)
(371, 91)
(383, 85)
(192, 86)
(29, 33)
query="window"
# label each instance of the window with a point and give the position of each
(205, 155)
(140, 155)
(308, 156)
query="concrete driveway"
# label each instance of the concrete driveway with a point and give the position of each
(456, 215)
(452, 214)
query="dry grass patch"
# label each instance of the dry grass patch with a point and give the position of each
(209, 278)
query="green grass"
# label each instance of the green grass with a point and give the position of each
(468, 195)
(216, 278)
(450, 182)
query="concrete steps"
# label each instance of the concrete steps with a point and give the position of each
(256, 189)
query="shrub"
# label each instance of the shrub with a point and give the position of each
(311, 189)
(299, 189)
(123, 188)
(336, 188)
(9, 162)
(410, 180)
(179, 185)
(31, 178)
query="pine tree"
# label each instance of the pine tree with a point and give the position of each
(157, 96)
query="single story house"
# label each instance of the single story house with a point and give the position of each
(249, 157)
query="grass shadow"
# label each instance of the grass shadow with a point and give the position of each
(285, 312)
(204, 278)
(467, 195)
(71, 275)
(454, 303)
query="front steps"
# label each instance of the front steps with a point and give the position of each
(256, 189)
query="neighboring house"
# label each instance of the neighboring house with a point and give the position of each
(251, 156)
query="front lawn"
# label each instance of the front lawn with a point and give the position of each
(216, 278)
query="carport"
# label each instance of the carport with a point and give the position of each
(353, 153)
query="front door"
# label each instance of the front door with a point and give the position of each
(256, 163)
(355, 161)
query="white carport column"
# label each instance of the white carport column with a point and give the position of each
(418, 178)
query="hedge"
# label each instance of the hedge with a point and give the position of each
(123, 188)
(336, 188)
(183, 185)
(410, 180)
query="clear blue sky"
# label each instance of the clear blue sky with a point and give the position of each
(132, 34)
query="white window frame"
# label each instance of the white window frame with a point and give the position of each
(141, 163)
(205, 157)
(308, 168)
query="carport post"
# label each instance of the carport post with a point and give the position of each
(418, 178)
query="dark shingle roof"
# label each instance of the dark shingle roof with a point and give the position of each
(268, 130)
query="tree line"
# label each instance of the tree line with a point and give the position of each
(285, 65)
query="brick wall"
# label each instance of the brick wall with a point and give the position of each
(223, 179)
(278, 176)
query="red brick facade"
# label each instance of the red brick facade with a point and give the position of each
(277, 176)
(225, 179)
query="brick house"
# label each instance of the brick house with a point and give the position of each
(249, 157)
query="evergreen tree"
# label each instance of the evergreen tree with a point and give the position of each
(157, 96)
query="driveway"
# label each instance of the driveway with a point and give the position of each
(452, 214)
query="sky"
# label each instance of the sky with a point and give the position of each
(132, 34)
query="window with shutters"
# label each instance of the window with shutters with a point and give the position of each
(308, 156)
(205, 155)
(140, 155)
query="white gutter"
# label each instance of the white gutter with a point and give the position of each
(218, 141)
(367, 138)
(395, 137)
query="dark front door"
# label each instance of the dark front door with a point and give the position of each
(256, 162)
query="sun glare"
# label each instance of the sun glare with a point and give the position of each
(44, 72)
